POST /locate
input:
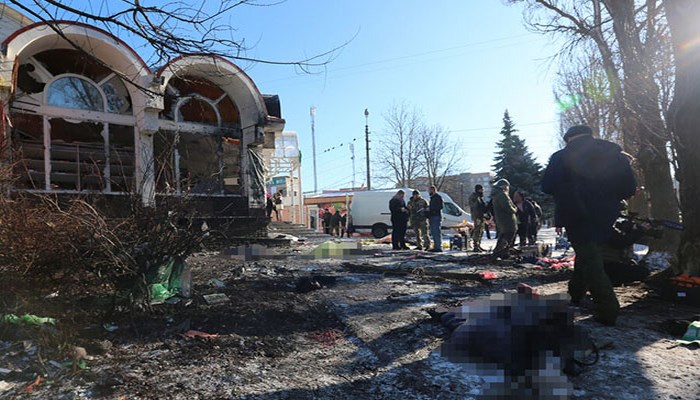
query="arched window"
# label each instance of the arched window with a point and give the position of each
(198, 149)
(74, 127)
(199, 110)
(75, 92)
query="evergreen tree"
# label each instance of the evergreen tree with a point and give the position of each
(515, 163)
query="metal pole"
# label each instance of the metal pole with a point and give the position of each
(369, 185)
(352, 152)
(313, 144)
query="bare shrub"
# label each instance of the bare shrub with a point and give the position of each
(42, 237)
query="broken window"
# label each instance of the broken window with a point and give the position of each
(204, 154)
(68, 151)
(78, 159)
(28, 150)
(121, 158)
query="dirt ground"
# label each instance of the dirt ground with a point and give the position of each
(365, 335)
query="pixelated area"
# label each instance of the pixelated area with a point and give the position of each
(337, 250)
(523, 339)
(252, 252)
(325, 250)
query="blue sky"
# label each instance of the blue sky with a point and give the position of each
(460, 62)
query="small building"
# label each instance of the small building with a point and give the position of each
(83, 115)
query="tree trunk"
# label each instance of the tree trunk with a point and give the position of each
(642, 125)
(684, 116)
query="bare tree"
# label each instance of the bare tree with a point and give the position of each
(629, 39)
(684, 118)
(400, 145)
(584, 96)
(167, 29)
(438, 154)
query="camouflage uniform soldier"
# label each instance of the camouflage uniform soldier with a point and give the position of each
(506, 222)
(478, 210)
(418, 207)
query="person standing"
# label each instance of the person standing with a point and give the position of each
(506, 222)
(277, 200)
(526, 217)
(588, 179)
(399, 221)
(335, 223)
(343, 222)
(326, 220)
(435, 218)
(418, 210)
(536, 222)
(477, 207)
(269, 206)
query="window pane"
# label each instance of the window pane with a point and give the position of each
(196, 110)
(74, 92)
(121, 158)
(200, 171)
(77, 155)
(451, 209)
(118, 101)
(28, 150)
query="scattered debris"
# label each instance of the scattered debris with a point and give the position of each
(6, 386)
(216, 298)
(192, 334)
(557, 262)
(307, 284)
(488, 275)
(216, 283)
(171, 278)
(30, 388)
(692, 335)
(27, 319)
(328, 337)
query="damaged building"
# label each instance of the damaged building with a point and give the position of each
(83, 115)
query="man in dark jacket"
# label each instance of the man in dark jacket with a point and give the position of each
(526, 217)
(477, 207)
(326, 220)
(588, 179)
(399, 221)
(435, 218)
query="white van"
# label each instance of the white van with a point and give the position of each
(370, 211)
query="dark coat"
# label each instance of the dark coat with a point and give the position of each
(588, 179)
(398, 216)
(335, 220)
(527, 215)
(326, 219)
(435, 207)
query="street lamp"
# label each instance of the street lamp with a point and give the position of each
(369, 186)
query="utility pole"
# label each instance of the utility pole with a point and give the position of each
(369, 186)
(352, 157)
(313, 144)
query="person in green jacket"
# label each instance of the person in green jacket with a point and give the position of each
(479, 215)
(418, 218)
(506, 222)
